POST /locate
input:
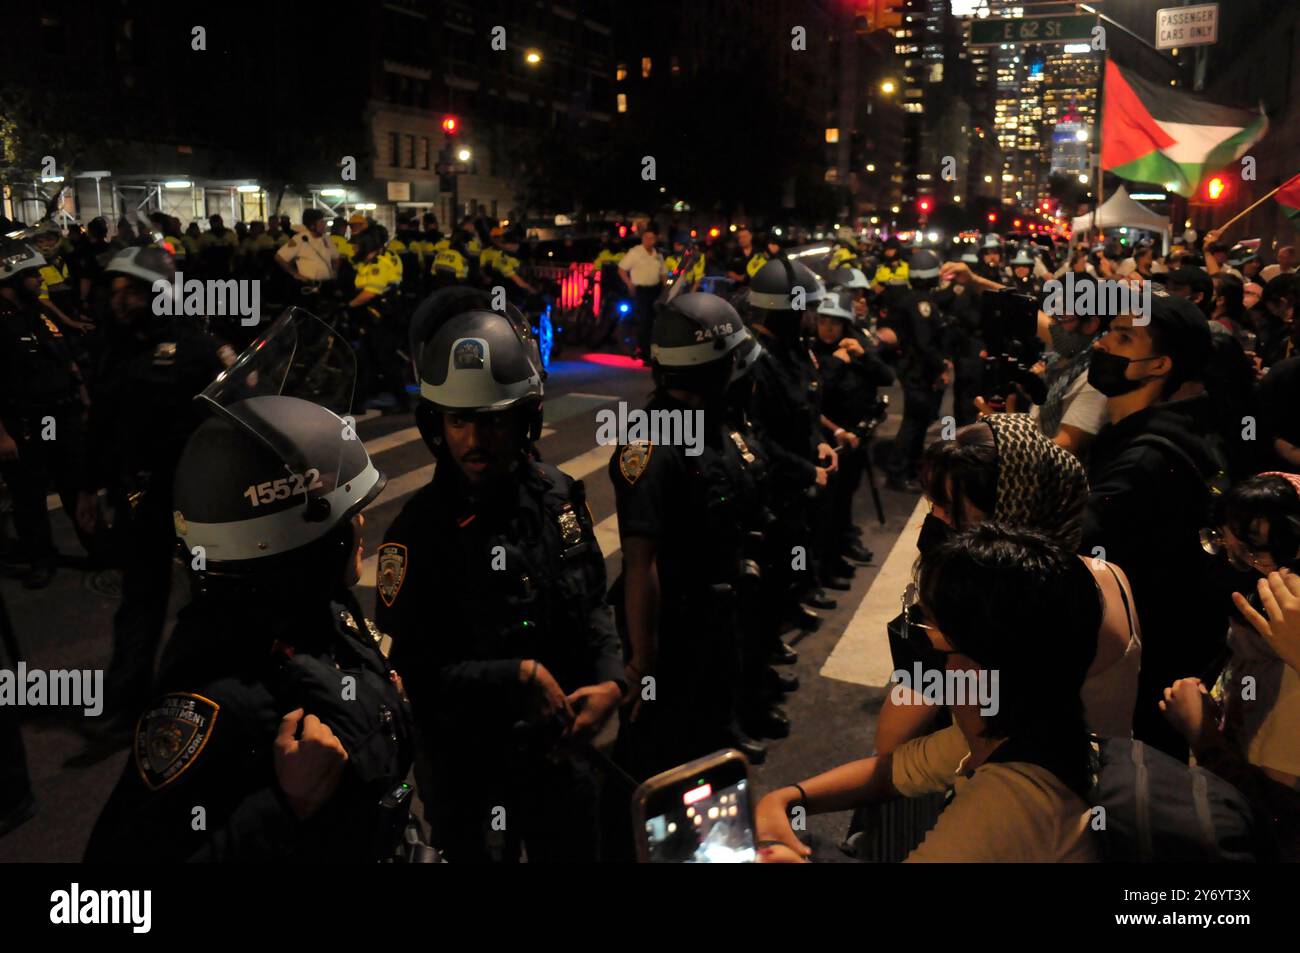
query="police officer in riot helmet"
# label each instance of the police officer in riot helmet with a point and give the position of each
(493, 587)
(990, 264)
(279, 731)
(42, 436)
(924, 370)
(141, 414)
(1022, 271)
(785, 405)
(680, 503)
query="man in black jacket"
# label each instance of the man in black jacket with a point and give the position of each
(1150, 471)
(492, 585)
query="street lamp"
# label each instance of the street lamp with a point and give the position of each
(463, 155)
(532, 57)
(888, 87)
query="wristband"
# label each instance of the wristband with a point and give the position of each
(803, 796)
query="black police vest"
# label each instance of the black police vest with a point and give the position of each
(531, 582)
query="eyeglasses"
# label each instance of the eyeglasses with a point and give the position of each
(1240, 555)
(913, 613)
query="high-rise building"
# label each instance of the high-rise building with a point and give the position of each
(1033, 92)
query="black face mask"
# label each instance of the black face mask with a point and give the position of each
(1106, 372)
(934, 532)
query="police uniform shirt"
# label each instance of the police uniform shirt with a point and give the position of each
(316, 258)
(35, 362)
(342, 246)
(469, 585)
(450, 260)
(207, 740)
(786, 394)
(685, 503)
(376, 276)
(54, 277)
(891, 271)
(157, 376)
(920, 331)
(645, 267)
(842, 256)
(672, 262)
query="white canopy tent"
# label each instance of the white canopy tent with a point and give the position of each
(1120, 210)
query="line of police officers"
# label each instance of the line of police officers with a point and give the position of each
(287, 733)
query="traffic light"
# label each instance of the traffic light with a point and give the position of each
(875, 15)
(993, 218)
(450, 125)
(924, 204)
(888, 14)
(1216, 188)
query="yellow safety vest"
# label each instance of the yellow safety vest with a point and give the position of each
(450, 261)
(54, 276)
(376, 276)
(343, 246)
(885, 274)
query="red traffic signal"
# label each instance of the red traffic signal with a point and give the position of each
(923, 205)
(993, 217)
(1215, 188)
(450, 125)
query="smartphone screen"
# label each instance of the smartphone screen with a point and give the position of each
(699, 816)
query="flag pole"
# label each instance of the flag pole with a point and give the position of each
(1249, 207)
(1101, 172)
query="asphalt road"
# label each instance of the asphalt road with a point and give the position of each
(842, 668)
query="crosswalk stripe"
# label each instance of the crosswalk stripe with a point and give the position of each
(391, 440)
(862, 653)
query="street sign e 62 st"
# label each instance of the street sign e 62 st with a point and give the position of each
(1062, 29)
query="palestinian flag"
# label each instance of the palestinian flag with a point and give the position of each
(1151, 133)
(1288, 196)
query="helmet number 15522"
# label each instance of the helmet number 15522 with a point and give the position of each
(273, 490)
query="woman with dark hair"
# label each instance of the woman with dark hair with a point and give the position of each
(1003, 469)
(1018, 757)
(1247, 728)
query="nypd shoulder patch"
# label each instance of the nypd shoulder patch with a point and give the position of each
(171, 735)
(391, 559)
(633, 459)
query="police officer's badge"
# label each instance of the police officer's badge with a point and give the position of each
(468, 355)
(923, 307)
(570, 527)
(633, 459)
(170, 736)
(391, 571)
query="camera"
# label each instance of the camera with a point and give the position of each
(1009, 327)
